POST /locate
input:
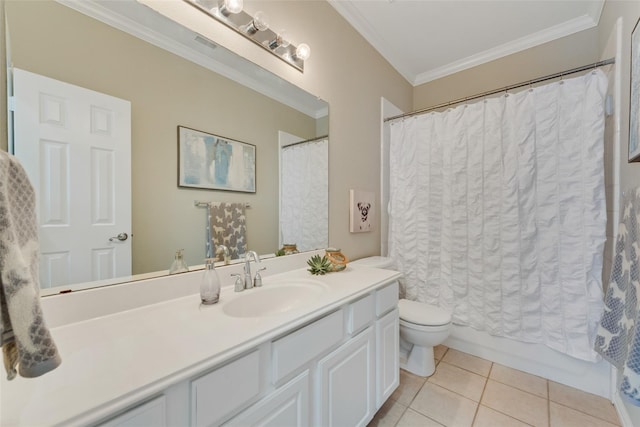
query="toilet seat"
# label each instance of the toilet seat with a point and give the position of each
(425, 328)
(420, 314)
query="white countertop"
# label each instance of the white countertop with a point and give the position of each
(114, 361)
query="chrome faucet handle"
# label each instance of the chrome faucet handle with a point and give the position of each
(257, 280)
(239, 285)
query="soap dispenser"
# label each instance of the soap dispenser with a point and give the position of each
(210, 285)
(178, 265)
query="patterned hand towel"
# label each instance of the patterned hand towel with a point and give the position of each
(618, 338)
(228, 226)
(25, 340)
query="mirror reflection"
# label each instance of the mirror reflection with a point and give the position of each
(153, 91)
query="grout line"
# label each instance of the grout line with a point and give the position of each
(484, 387)
(548, 404)
(582, 412)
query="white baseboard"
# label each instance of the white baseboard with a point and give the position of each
(535, 359)
(623, 413)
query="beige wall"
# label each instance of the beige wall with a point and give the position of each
(165, 91)
(629, 174)
(343, 70)
(629, 11)
(559, 55)
(3, 84)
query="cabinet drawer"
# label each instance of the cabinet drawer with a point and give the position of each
(287, 406)
(361, 313)
(217, 394)
(386, 299)
(303, 345)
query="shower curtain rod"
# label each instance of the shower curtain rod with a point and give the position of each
(306, 140)
(505, 89)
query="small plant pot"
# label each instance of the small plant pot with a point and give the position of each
(338, 259)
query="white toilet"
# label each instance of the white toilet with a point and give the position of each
(422, 327)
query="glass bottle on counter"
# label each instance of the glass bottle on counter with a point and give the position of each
(210, 285)
(178, 265)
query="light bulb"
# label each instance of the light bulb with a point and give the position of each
(259, 23)
(303, 51)
(228, 7)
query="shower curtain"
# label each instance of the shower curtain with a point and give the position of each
(304, 216)
(497, 212)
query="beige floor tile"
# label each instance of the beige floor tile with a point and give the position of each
(516, 403)
(519, 379)
(409, 386)
(413, 419)
(468, 362)
(487, 417)
(444, 406)
(439, 351)
(388, 415)
(562, 416)
(459, 380)
(588, 403)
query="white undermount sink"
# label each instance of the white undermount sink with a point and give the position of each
(274, 299)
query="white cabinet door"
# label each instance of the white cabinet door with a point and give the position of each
(347, 383)
(151, 413)
(387, 357)
(287, 406)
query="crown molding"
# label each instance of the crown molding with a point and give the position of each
(567, 28)
(360, 23)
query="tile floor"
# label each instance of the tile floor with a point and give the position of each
(469, 391)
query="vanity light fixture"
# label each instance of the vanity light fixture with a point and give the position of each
(227, 7)
(255, 28)
(280, 40)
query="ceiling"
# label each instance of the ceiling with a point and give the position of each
(428, 39)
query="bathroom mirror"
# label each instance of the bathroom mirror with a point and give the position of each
(213, 91)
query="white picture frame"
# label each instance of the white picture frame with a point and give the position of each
(361, 211)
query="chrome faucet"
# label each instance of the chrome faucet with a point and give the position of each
(222, 249)
(248, 280)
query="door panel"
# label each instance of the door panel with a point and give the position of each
(75, 145)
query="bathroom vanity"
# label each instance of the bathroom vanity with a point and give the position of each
(301, 350)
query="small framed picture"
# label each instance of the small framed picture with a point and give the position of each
(634, 119)
(215, 163)
(362, 211)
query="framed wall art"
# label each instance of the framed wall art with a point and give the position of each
(361, 211)
(213, 162)
(634, 119)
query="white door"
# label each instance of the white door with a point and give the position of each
(75, 145)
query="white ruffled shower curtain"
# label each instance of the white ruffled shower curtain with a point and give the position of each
(497, 212)
(304, 217)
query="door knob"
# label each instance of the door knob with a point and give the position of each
(121, 237)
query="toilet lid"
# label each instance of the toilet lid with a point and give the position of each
(423, 314)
